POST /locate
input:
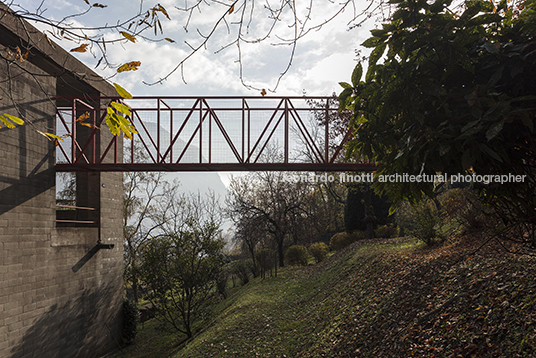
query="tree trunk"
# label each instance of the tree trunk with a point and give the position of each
(280, 251)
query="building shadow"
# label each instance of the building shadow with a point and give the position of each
(85, 327)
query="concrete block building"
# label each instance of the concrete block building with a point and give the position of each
(60, 291)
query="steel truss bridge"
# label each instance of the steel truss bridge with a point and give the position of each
(206, 134)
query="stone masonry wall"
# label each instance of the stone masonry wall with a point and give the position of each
(58, 296)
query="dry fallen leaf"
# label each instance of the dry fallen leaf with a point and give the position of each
(81, 48)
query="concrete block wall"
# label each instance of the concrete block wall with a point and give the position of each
(58, 296)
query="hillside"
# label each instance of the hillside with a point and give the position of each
(382, 298)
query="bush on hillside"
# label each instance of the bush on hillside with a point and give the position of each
(319, 251)
(462, 207)
(426, 220)
(297, 255)
(343, 239)
(386, 231)
(240, 269)
(221, 283)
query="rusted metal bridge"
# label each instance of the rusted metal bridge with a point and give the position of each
(206, 134)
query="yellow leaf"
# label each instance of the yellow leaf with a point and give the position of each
(169, 40)
(54, 136)
(14, 119)
(128, 36)
(86, 124)
(129, 66)
(50, 136)
(122, 92)
(6, 122)
(81, 48)
(163, 10)
(83, 117)
(121, 108)
(231, 9)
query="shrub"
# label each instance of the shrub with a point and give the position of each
(462, 207)
(241, 269)
(319, 251)
(221, 283)
(404, 218)
(297, 255)
(354, 210)
(425, 219)
(386, 231)
(131, 317)
(343, 239)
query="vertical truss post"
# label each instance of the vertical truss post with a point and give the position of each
(170, 134)
(243, 126)
(326, 138)
(94, 139)
(210, 137)
(249, 136)
(73, 134)
(200, 131)
(286, 130)
(158, 155)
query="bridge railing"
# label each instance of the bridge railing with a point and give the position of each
(207, 133)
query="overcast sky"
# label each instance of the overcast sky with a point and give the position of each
(322, 58)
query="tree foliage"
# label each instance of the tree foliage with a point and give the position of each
(454, 94)
(319, 251)
(182, 266)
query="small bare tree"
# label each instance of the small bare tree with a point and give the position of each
(269, 198)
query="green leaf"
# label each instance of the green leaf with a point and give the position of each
(527, 121)
(356, 74)
(377, 53)
(378, 32)
(469, 125)
(122, 92)
(345, 85)
(343, 97)
(490, 152)
(371, 42)
(121, 108)
(494, 130)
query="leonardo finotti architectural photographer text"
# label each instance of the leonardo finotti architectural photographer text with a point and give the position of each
(406, 178)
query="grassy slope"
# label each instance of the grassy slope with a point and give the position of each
(381, 298)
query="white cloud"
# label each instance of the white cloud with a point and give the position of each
(322, 59)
